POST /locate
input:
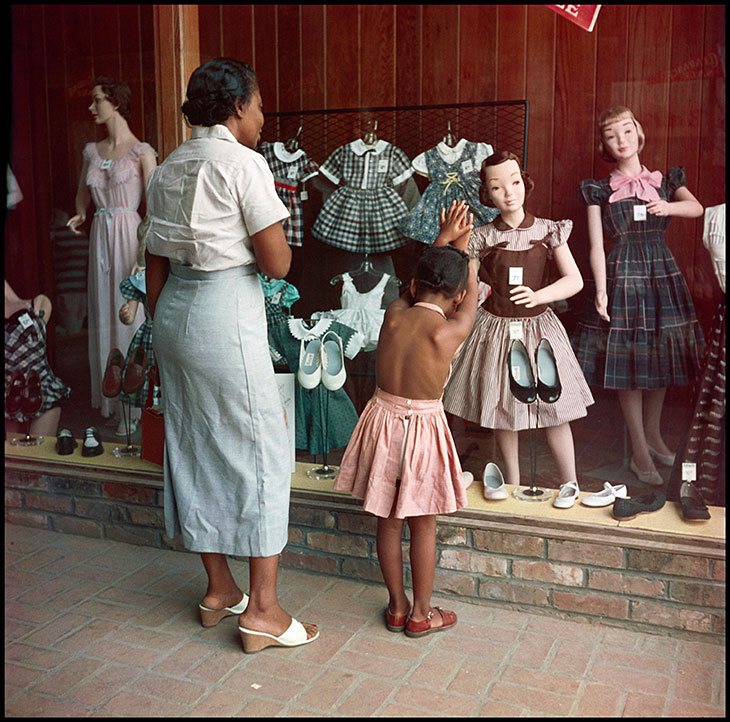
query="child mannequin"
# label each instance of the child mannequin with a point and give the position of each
(401, 459)
(642, 336)
(517, 239)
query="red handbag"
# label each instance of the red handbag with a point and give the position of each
(153, 424)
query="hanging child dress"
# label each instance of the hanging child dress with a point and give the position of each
(134, 288)
(310, 405)
(117, 189)
(454, 176)
(361, 311)
(290, 170)
(362, 216)
(653, 339)
(478, 389)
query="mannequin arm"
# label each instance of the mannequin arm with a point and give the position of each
(685, 205)
(570, 281)
(148, 163)
(81, 202)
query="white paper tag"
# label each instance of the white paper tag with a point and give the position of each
(515, 331)
(639, 213)
(689, 471)
(382, 166)
(467, 166)
(515, 276)
(105, 164)
(25, 320)
(292, 172)
(304, 195)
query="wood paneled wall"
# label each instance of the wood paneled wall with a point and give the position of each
(665, 61)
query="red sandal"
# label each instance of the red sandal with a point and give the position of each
(422, 628)
(396, 622)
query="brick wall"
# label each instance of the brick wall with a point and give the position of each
(622, 577)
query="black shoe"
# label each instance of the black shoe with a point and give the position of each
(92, 443)
(625, 509)
(692, 503)
(521, 378)
(65, 443)
(548, 381)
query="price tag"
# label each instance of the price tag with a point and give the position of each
(689, 471)
(382, 166)
(304, 195)
(106, 164)
(639, 213)
(25, 321)
(292, 174)
(515, 331)
(467, 166)
(515, 276)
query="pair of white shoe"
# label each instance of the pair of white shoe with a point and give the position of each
(568, 493)
(322, 360)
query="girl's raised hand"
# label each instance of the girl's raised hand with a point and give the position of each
(456, 225)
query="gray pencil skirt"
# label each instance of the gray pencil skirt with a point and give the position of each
(227, 465)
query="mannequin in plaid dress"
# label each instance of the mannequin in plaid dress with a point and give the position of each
(643, 335)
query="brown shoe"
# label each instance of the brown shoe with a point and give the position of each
(422, 628)
(134, 374)
(111, 384)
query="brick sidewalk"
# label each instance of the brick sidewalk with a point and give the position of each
(101, 628)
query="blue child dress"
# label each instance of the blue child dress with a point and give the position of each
(134, 288)
(454, 176)
(653, 339)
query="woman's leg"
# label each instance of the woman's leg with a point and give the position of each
(423, 565)
(632, 406)
(508, 443)
(222, 588)
(653, 403)
(263, 613)
(560, 441)
(388, 540)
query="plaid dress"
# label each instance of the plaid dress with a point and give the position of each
(653, 339)
(363, 215)
(133, 288)
(454, 180)
(289, 170)
(25, 350)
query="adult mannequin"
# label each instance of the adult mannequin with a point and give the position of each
(642, 334)
(114, 175)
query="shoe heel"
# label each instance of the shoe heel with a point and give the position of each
(211, 617)
(253, 643)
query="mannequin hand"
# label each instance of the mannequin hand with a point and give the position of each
(456, 225)
(523, 296)
(128, 311)
(136, 268)
(75, 222)
(601, 302)
(658, 208)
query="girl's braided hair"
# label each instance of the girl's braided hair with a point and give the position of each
(442, 268)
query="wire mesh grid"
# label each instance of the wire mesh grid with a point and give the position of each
(413, 129)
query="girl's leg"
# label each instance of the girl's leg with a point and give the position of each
(46, 424)
(508, 443)
(653, 403)
(632, 406)
(423, 565)
(560, 441)
(390, 557)
(263, 613)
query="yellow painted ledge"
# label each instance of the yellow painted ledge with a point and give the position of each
(667, 520)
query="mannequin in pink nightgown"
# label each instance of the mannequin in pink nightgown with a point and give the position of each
(114, 175)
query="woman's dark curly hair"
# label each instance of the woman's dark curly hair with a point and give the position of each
(216, 88)
(117, 92)
(500, 156)
(442, 268)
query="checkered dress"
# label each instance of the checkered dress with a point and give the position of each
(653, 339)
(25, 350)
(449, 182)
(298, 168)
(142, 337)
(363, 215)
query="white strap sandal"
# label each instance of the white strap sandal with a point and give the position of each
(294, 636)
(210, 617)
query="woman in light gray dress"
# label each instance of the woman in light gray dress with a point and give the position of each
(214, 220)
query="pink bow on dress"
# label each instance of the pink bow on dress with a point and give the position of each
(643, 186)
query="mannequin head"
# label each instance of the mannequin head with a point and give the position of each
(504, 186)
(441, 270)
(216, 89)
(617, 125)
(115, 92)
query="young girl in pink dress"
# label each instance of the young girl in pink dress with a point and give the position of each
(401, 459)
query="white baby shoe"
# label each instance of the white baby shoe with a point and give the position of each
(607, 496)
(567, 495)
(494, 487)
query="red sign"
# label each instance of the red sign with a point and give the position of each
(584, 16)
